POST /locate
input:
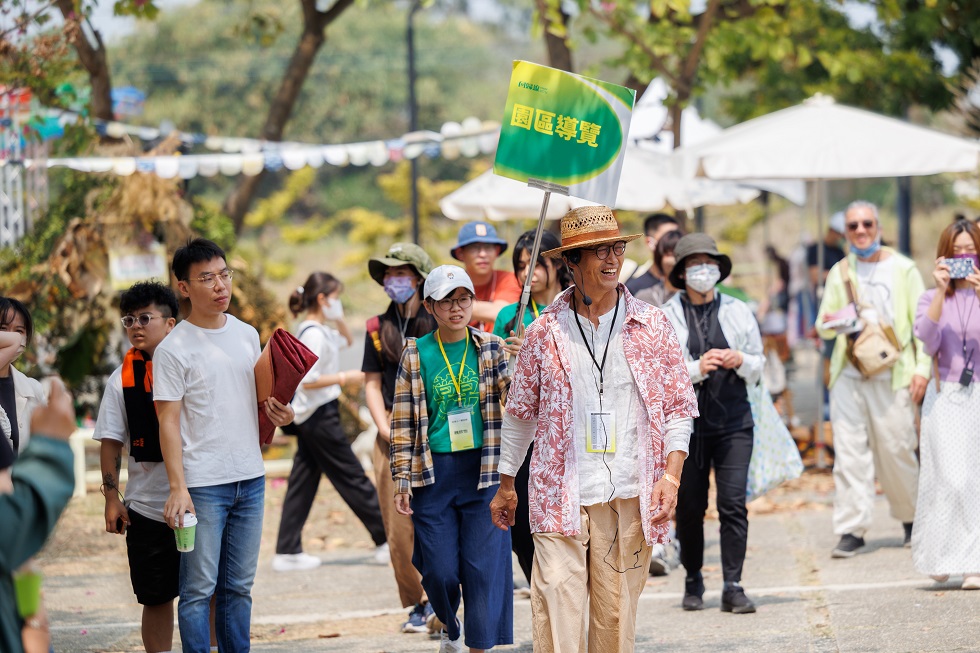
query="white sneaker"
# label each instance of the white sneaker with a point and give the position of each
(447, 645)
(382, 554)
(294, 562)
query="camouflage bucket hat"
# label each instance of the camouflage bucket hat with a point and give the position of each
(400, 254)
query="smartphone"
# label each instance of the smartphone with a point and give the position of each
(960, 268)
(119, 524)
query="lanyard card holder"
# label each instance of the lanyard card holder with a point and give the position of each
(600, 431)
(461, 435)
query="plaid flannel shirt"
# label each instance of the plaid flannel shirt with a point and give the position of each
(411, 458)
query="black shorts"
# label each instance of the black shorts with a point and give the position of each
(154, 562)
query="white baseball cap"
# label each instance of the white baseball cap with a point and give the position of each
(443, 280)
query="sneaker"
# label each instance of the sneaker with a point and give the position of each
(658, 561)
(447, 645)
(733, 600)
(294, 562)
(382, 554)
(907, 542)
(939, 578)
(693, 591)
(847, 547)
(971, 582)
(417, 618)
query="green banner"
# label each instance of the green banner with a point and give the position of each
(564, 129)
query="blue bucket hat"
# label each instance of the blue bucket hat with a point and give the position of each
(478, 232)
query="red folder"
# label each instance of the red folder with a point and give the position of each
(278, 372)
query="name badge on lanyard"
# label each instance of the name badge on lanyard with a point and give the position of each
(600, 430)
(460, 419)
(461, 436)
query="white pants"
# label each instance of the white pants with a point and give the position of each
(874, 432)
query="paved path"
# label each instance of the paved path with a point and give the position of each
(807, 601)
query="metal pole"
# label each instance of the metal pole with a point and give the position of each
(413, 117)
(903, 207)
(532, 262)
(818, 436)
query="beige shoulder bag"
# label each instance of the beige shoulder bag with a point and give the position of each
(875, 348)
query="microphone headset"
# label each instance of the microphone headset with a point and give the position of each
(572, 258)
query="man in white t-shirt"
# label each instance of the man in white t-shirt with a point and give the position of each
(127, 417)
(873, 417)
(204, 389)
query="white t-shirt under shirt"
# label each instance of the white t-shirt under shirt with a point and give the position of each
(874, 292)
(325, 342)
(147, 488)
(212, 373)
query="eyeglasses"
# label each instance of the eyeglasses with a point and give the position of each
(208, 280)
(867, 224)
(602, 251)
(447, 304)
(143, 320)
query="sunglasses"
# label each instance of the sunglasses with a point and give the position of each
(867, 224)
(143, 320)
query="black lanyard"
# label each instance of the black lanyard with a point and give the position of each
(586, 341)
(963, 325)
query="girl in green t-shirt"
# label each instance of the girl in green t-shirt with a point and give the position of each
(550, 278)
(445, 438)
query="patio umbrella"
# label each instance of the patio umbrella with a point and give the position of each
(820, 140)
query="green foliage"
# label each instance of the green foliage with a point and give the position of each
(786, 50)
(217, 82)
(210, 222)
(274, 208)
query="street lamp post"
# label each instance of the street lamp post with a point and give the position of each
(413, 117)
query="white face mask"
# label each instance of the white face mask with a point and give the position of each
(333, 309)
(702, 278)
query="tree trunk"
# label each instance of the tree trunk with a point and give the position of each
(93, 59)
(559, 55)
(312, 39)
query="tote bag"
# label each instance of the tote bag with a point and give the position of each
(775, 456)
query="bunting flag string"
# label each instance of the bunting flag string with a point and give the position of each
(247, 156)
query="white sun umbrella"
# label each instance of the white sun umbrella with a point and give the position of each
(821, 140)
(491, 197)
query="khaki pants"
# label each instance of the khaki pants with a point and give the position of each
(874, 432)
(575, 576)
(398, 529)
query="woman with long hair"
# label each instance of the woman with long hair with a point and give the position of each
(322, 446)
(19, 396)
(401, 272)
(947, 516)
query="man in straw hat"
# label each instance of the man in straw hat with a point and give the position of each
(601, 388)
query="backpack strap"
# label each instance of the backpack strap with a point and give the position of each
(374, 329)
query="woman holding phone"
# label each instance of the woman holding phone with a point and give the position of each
(947, 517)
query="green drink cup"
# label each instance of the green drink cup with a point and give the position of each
(27, 588)
(185, 534)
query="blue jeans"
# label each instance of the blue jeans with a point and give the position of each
(457, 544)
(223, 563)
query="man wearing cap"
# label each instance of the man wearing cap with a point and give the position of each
(601, 388)
(478, 246)
(402, 272)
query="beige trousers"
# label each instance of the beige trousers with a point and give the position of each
(398, 529)
(576, 577)
(874, 433)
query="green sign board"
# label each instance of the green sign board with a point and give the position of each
(564, 129)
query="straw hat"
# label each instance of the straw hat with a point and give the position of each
(588, 226)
